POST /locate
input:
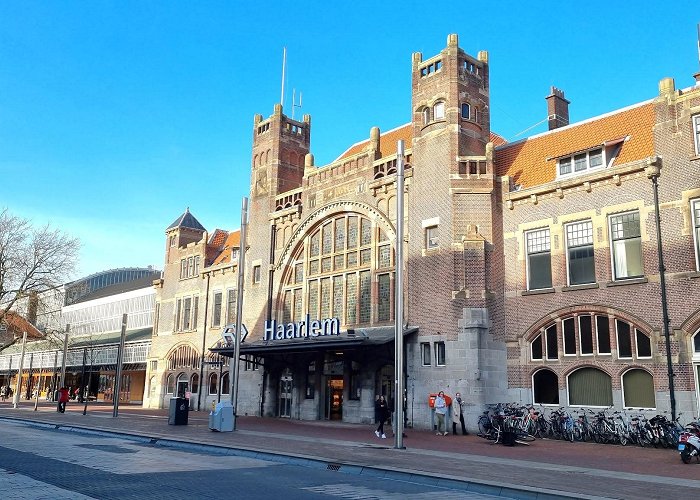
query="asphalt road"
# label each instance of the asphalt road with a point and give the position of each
(56, 464)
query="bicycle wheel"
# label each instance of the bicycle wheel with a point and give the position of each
(484, 426)
(524, 436)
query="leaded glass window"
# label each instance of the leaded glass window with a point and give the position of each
(365, 297)
(327, 239)
(384, 256)
(384, 306)
(351, 306)
(340, 235)
(337, 297)
(325, 297)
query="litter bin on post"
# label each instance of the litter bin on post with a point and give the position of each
(179, 408)
(221, 418)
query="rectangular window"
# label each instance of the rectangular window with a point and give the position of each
(186, 313)
(230, 307)
(216, 310)
(154, 365)
(626, 246)
(183, 268)
(156, 314)
(696, 133)
(365, 297)
(624, 340)
(580, 162)
(539, 260)
(552, 342)
(439, 354)
(195, 312)
(178, 311)
(585, 334)
(425, 354)
(696, 231)
(565, 166)
(569, 337)
(603, 334)
(439, 111)
(580, 260)
(431, 237)
(384, 292)
(190, 266)
(256, 274)
(196, 265)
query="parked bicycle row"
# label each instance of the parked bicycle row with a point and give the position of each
(525, 423)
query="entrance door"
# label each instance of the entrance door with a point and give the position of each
(334, 398)
(285, 392)
(386, 384)
(182, 386)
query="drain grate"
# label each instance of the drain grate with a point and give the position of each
(333, 467)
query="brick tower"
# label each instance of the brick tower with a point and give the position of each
(453, 226)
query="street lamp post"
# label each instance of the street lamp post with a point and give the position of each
(233, 366)
(653, 170)
(399, 380)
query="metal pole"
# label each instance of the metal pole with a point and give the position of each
(398, 301)
(654, 174)
(18, 382)
(30, 379)
(120, 360)
(233, 366)
(63, 361)
(82, 378)
(38, 385)
(204, 347)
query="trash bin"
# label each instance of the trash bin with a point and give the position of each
(179, 408)
(221, 417)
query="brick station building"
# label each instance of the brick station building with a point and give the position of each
(532, 269)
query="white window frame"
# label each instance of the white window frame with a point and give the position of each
(426, 115)
(588, 168)
(425, 349)
(257, 274)
(568, 247)
(622, 389)
(532, 384)
(573, 319)
(615, 277)
(545, 351)
(432, 238)
(528, 253)
(439, 110)
(696, 133)
(636, 344)
(594, 332)
(633, 346)
(695, 216)
(597, 341)
(438, 345)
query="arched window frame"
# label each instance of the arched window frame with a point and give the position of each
(622, 386)
(213, 384)
(534, 375)
(170, 383)
(466, 111)
(426, 115)
(225, 389)
(568, 388)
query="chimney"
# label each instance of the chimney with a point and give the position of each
(557, 109)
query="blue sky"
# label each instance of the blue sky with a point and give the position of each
(116, 116)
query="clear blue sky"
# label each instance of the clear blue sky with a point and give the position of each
(116, 116)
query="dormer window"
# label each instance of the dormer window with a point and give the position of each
(580, 162)
(439, 111)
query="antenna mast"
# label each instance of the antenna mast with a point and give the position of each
(294, 104)
(284, 65)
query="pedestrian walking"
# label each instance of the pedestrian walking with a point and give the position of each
(3, 393)
(63, 396)
(383, 414)
(458, 415)
(440, 412)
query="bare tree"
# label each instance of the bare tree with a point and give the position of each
(32, 260)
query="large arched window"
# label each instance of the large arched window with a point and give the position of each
(590, 387)
(638, 389)
(334, 271)
(545, 387)
(152, 387)
(170, 384)
(194, 383)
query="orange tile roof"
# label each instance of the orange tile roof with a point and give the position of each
(387, 142)
(17, 324)
(532, 162)
(232, 241)
(217, 238)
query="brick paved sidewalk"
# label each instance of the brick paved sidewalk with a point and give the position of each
(576, 469)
